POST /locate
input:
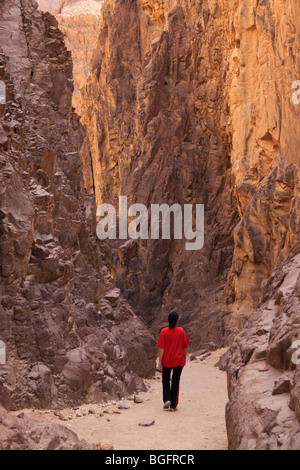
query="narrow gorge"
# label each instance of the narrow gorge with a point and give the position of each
(166, 102)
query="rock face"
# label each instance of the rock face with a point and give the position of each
(79, 20)
(156, 117)
(192, 103)
(263, 369)
(65, 340)
(195, 102)
(181, 102)
(263, 377)
(264, 65)
(24, 434)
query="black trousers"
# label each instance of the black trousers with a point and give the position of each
(171, 386)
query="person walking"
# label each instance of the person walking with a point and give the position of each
(172, 343)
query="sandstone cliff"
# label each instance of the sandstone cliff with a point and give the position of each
(264, 64)
(80, 23)
(181, 102)
(69, 335)
(192, 103)
(156, 117)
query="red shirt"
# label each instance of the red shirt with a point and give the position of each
(173, 342)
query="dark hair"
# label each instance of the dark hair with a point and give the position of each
(172, 319)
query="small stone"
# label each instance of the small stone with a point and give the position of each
(113, 295)
(137, 399)
(61, 416)
(122, 406)
(147, 423)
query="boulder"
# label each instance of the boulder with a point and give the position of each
(24, 434)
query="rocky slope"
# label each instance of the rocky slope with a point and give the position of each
(19, 433)
(263, 370)
(69, 335)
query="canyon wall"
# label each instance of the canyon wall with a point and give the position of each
(157, 121)
(182, 102)
(191, 102)
(262, 367)
(69, 334)
(197, 102)
(79, 21)
(264, 64)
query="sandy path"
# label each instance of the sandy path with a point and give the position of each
(199, 422)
